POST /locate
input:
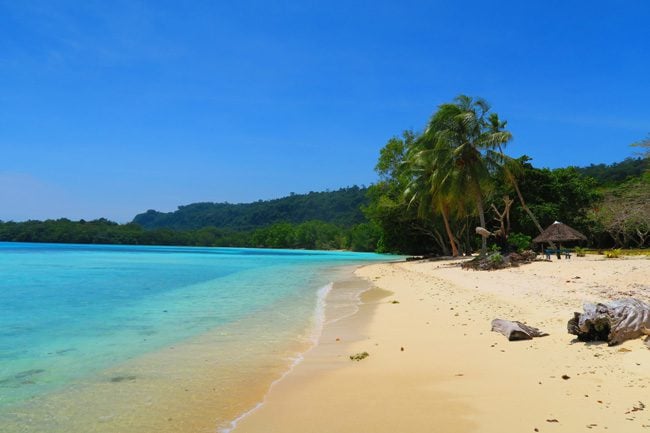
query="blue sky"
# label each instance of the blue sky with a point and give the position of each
(112, 108)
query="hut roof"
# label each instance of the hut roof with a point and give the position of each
(558, 232)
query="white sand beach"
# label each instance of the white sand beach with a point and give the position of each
(434, 364)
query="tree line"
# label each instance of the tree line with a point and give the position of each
(308, 235)
(437, 186)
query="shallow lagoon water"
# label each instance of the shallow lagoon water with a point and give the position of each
(74, 318)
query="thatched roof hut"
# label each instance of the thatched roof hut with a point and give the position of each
(559, 232)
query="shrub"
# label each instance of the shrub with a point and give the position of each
(496, 259)
(520, 241)
(613, 254)
(580, 252)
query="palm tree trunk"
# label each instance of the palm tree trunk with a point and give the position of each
(444, 211)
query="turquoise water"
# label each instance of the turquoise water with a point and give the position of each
(67, 312)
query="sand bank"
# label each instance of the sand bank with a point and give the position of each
(435, 366)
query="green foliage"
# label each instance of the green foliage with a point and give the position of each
(616, 173)
(323, 220)
(636, 252)
(308, 235)
(613, 254)
(393, 154)
(456, 168)
(401, 231)
(365, 237)
(464, 137)
(427, 179)
(561, 194)
(520, 241)
(580, 252)
(341, 207)
(495, 259)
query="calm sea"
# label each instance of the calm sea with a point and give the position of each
(131, 338)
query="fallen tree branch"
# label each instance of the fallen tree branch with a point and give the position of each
(614, 322)
(514, 330)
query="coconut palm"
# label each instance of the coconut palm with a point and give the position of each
(428, 188)
(464, 137)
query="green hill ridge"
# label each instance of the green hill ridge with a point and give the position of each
(341, 207)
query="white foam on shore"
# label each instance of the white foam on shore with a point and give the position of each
(355, 308)
(315, 333)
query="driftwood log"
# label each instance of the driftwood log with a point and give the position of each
(514, 330)
(614, 322)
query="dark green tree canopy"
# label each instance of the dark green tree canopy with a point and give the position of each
(341, 207)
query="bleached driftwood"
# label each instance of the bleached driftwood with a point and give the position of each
(514, 330)
(614, 322)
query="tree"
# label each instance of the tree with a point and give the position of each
(645, 146)
(624, 214)
(401, 230)
(429, 187)
(364, 237)
(465, 143)
(510, 167)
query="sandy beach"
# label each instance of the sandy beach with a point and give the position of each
(434, 365)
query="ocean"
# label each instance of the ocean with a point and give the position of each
(144, 338)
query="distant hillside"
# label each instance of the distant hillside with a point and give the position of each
(616, 173)
(340, 207)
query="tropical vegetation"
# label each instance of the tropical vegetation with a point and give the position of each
(308, 235)
(439, 187)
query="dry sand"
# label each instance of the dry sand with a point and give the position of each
(434, 365)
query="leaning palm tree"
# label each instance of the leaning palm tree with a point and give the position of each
(428, 187)
(463, 133)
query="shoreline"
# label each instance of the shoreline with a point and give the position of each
(337, 333)
(190, 385)
(324, 317)
(434, 362)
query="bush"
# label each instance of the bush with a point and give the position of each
(520, 241)
(496, 259)
(613, 254)
(580, 252)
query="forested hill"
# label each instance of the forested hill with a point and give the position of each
(341, 207)
(617, 172)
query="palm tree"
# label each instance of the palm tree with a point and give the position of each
(428, 188)
(464, 134)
